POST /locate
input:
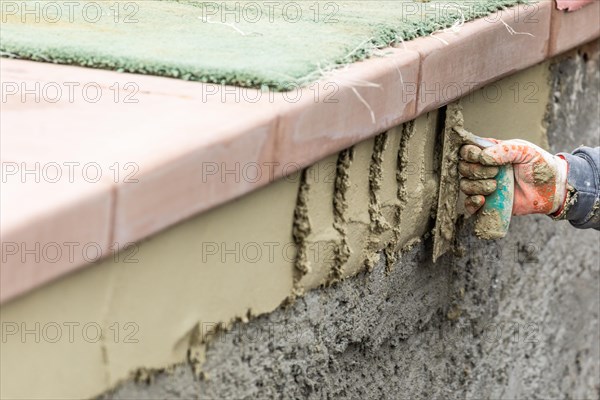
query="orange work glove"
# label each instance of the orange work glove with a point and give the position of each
(540, 177)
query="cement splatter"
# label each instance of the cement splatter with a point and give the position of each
(542, 173)
(489, 225)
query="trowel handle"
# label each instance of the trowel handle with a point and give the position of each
(494, 217)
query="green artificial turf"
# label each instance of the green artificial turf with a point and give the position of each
(277, 44)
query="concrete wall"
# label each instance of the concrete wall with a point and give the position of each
(516, 318)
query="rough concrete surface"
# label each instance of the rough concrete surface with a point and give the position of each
(515, 318)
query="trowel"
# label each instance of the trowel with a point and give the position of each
(493, 219)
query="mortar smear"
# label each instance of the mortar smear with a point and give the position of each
(301, 229)
(449, 183)
(340, 205)
(378, 224)
(490, 227)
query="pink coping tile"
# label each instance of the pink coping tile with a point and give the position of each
(570, 29)
(350, 105)
(194, 181)
(454, 64)
(572, 5)
(52, 223)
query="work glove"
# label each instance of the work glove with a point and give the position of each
(540, 177)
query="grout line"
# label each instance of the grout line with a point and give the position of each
(550, 42)
(419, 85)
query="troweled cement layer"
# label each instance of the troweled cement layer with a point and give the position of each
(231, 263)
(356, 213)
(383, 196)
(419, 177)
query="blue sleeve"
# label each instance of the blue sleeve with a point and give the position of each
(583, 182)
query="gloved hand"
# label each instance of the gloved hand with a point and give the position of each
(540, 177)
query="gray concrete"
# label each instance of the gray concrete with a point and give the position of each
(517, 318)
(575, 105)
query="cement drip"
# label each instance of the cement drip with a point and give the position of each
(408, 131)
(301, 229)
(378, 223)
(391, 256)
(340, 205)
(390, 250)
(393, 238)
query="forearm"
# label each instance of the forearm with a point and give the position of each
(582, 205)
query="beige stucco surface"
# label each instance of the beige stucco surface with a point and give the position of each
(232, 262)
(323, 240)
